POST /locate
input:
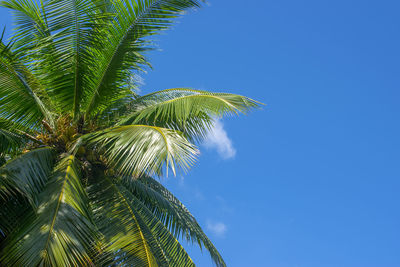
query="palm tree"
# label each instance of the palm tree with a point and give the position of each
(81, 150)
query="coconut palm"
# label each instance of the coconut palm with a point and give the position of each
(81, 152)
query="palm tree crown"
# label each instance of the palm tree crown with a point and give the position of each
(80, 149)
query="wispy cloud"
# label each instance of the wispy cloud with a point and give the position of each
(217, 228)
(218, 139)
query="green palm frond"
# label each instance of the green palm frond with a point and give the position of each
(28, 173)
(61, 232)
(19, 93)
(187, 110)
(132, 234)
(14, 208)
(16, 127)
(75, 24)
(157, 233)
(122, 49)
(9, 140)
(30, 25)
(123, 239)
(112, 114)
(14, 137)
(137, 149)
(55, 37)
(33, 44)
(169, 210)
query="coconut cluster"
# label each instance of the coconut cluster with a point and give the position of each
(64, 136)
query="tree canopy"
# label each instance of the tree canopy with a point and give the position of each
(81, 151)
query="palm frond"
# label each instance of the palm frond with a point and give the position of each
(28, 173)
(123, 238)
(123, 47)
(187, 110)
(16, 127)
(158, 236)
(19, 98)
(33, 45)
(9, 140)
(14, 137)
(171, 212)
(14, 208)
(112, 114)
(74, 26)
(30, 25)
(137, 149)
(54, 38)
(61, 233)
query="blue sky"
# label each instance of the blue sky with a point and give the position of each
(313, 178)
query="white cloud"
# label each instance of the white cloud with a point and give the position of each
(218, 138)
(217, 228)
